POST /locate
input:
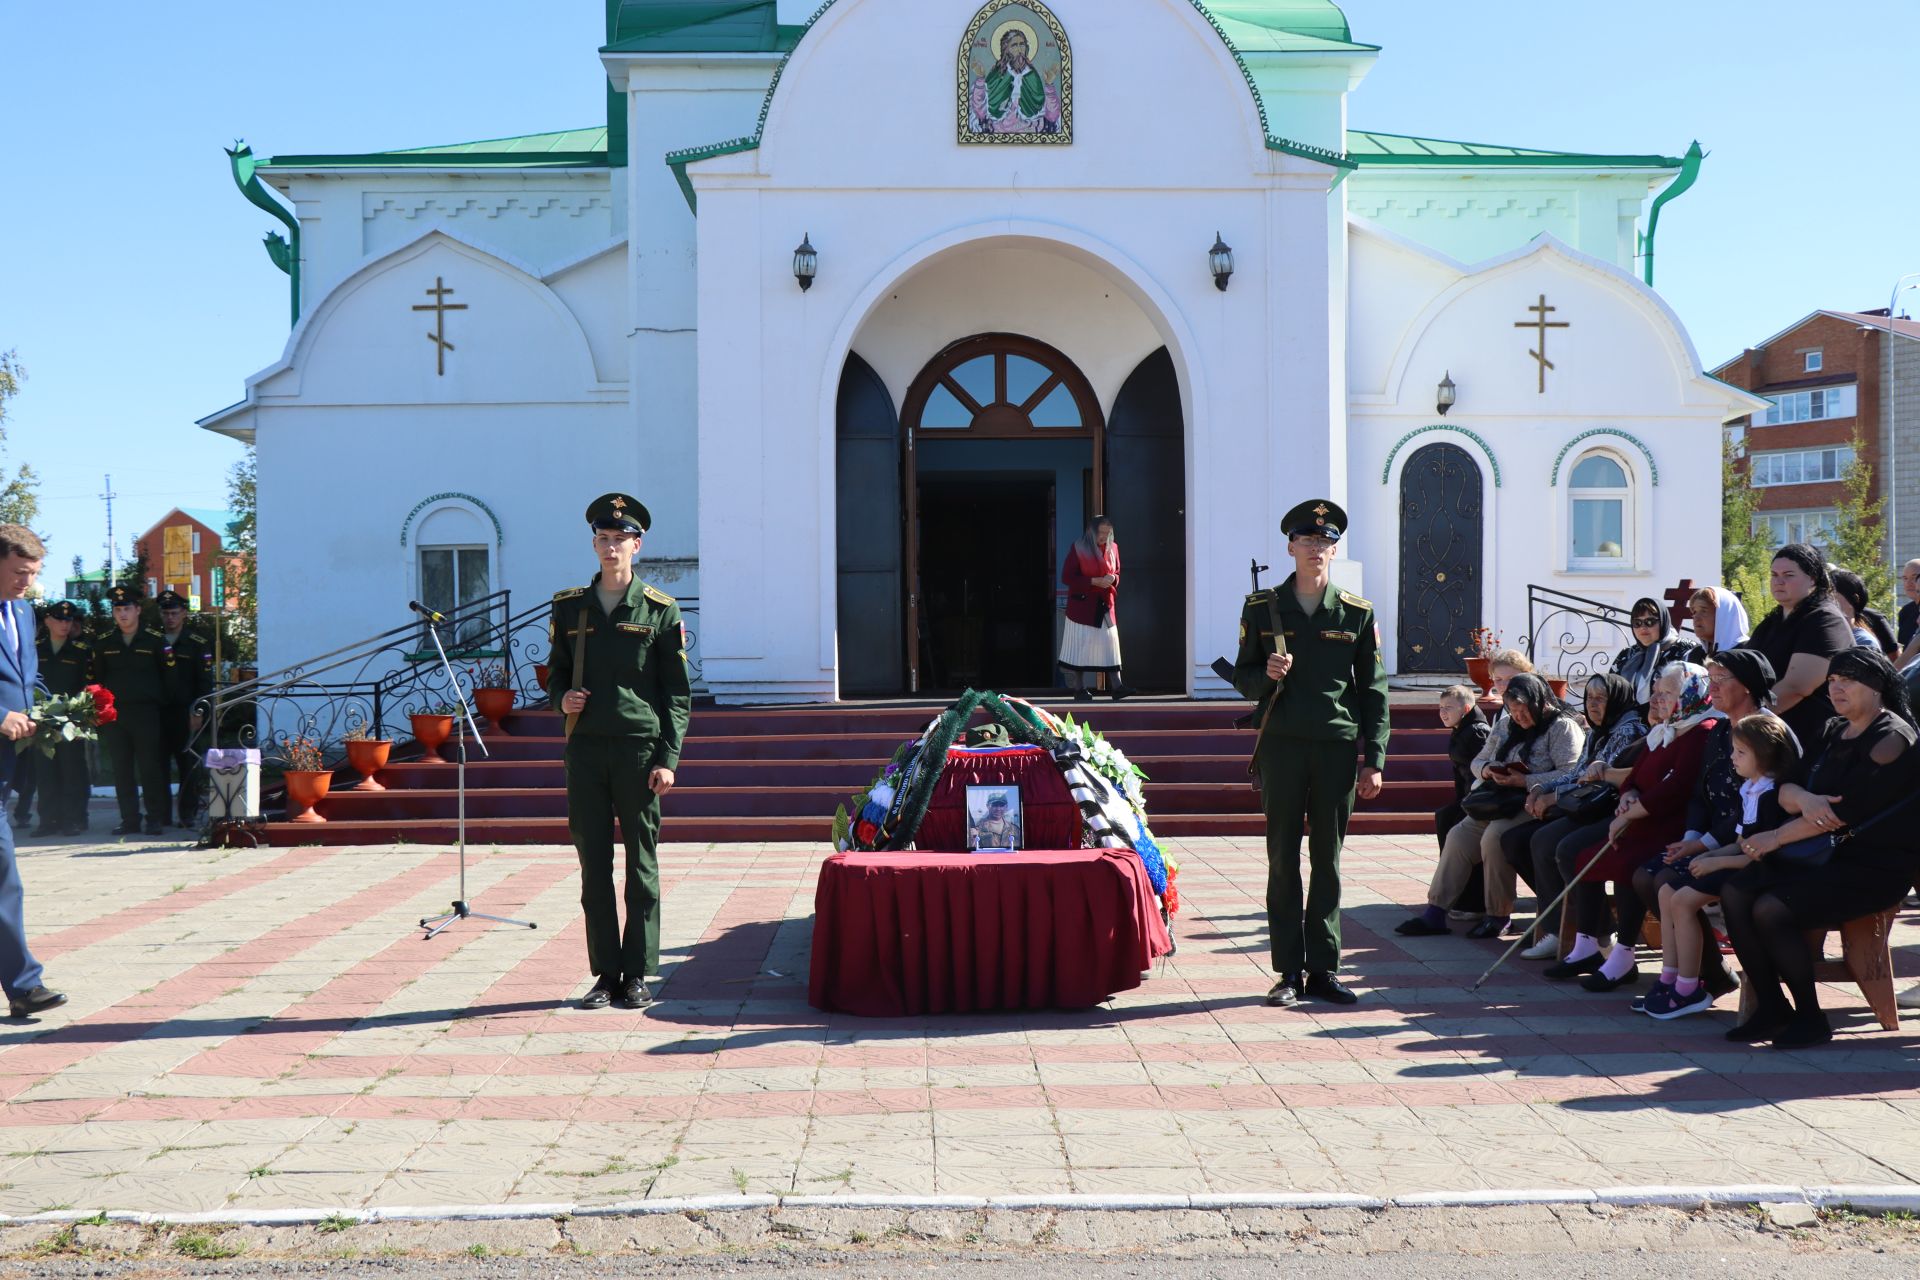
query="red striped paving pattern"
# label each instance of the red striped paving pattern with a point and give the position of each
(359, 1065)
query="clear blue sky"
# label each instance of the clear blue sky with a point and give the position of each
(134, 287)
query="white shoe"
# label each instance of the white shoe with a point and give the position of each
(1548, 948)
(1910, 998)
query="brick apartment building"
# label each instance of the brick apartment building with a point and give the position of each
(186, 552)
(1828, 375)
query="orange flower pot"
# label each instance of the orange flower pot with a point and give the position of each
(494, 704)
(430, 731)
(540, 673)
(366, 757)
(1559, 688)
(1478, 673)
(305, 789)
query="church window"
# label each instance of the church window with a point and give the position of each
(1001, 385)
(451, 577)
(1600, 517)
(453, 543)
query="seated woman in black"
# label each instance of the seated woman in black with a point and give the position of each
(1862, 766)
(1800, 637)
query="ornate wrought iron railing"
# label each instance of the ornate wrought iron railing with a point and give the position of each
(1573, 637)
(373, 685)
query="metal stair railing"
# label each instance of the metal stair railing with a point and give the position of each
(1574, 637)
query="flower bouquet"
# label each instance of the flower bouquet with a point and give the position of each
(72, 717)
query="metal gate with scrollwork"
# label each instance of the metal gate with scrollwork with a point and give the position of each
(1440, 549)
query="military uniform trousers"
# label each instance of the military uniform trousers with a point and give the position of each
(607, 779)
(65, 785)
(136, 746)
(1306, 785)
(177, 733)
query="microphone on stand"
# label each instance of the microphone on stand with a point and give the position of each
(425, 612)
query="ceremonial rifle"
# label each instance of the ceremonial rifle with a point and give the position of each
(1273, 699)
(1224, 668)
(579, 663)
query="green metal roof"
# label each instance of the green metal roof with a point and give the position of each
(697, 26)
(1285, 26)
(1371, 148)
(566, 149)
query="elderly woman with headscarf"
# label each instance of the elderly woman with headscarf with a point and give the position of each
(1802, 634)
(1656, 646)
(1719, 619)
(1860, 767)
(1090, 642)
(1651, 816)
(1533, 743)
(1871, 630)
(1614, 728)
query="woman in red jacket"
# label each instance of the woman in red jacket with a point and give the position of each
(1090, 644)
(1652, 815)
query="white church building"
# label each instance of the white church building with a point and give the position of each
(875, 304)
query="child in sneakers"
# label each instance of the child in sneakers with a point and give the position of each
(1764, 755)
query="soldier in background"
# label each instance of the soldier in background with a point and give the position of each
(186, 671)
(66, 659)
(126, 661)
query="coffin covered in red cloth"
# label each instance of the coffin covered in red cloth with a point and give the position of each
(1050, 818)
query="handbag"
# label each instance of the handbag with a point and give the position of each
(1489, 801)
(1589, 802)
(1817, 851)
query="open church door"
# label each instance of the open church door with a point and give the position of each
(869, 523)
(1147, 501)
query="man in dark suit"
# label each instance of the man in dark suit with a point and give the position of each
(20, 556)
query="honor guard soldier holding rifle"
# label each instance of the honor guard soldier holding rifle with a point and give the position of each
(1310, 658)
(66, 658)
(618, 672)
(126, 662)
(186, 671)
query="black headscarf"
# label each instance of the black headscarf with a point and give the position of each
(1751, 668)
(1533, 693)
(1620, 699)
(1642, 662)
(1811, 563)
(1849, 586)
(1865, 666)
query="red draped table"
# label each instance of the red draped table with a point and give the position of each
(897, 934)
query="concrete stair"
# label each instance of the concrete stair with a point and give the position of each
(777, 773)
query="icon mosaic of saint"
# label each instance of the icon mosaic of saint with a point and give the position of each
(1016, 94)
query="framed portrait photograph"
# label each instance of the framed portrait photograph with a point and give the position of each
(993, 819)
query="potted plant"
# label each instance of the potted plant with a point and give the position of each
(431, 728)
(492, 693)
(367, 755)
(1485, 645)
(307, 779)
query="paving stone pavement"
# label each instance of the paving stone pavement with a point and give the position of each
(260, 1029)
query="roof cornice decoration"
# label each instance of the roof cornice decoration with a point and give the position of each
(406, 527)
(1387, 470)
(1653, 468)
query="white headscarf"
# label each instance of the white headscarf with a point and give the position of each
(1730, 627)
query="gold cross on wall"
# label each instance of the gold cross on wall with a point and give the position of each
(440, 306)
(1541, 324)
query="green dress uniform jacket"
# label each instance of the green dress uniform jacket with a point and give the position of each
(1329, 711)
(135, 743)
(640, 699)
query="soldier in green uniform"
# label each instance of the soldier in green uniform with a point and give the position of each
(127, 662)
(1310, 656)
(186, 671)
(619, 674)
(66, 659)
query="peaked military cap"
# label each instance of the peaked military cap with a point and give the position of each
(1316, 517)
(65, 610)
(618, 511)
(172, 600)
(123, 594)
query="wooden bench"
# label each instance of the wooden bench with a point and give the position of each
(1864, 961)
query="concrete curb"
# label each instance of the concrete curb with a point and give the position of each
(1894, 1197)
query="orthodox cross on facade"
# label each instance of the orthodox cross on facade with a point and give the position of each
(1541, 324)
(440, 306)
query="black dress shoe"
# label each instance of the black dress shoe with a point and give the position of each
(38, 1000)
(1567, 970)
(1766, 1023)
(1119, 691)
(47, 830)
(127, 829)
(1083, 695)
(1417, 927)
(1489, 927)
(602, 994)
(1284, 993)
(1804, 1031)
(1325, 986)
(634, 994)
(1600, 982)
(155, 829)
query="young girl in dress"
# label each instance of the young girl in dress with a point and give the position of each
(1765, 757)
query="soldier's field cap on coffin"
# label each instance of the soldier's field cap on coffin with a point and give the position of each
(619, 511)
(1316, 517)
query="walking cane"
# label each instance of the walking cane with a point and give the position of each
(1517, 942)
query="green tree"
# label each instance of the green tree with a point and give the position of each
(1745, 553)
(19, 491)
(243, 544)
(1855, 541)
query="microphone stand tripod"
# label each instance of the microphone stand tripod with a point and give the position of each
(461, 910)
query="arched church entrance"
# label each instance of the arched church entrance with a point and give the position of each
(1440, 550)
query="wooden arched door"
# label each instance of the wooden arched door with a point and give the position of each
(1440, 558)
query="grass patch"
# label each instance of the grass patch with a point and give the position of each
(260, 1171)
(739, 1181)
(477, 1250)
(97, 1220)
(204, 1248)
(65, 1241)
(334, 1223)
